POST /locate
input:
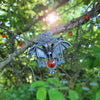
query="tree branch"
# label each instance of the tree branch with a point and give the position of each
(74, 22)
(41, 17)
(61, 28)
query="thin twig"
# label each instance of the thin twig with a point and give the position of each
(2, 73)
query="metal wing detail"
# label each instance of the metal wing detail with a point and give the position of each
(38, 51)
(48, 49)
(58, 50)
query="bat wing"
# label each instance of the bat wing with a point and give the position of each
(59, 47)
(38, 51)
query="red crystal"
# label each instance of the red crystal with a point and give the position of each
(20, 44)
(51, 64)
(86, 17)
(70, 33)
(3, 35)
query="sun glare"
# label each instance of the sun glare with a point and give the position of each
(52, 19)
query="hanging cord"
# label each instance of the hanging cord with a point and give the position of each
(92, 20)
(12, 43)
(12, 40)
(95, 14)
(92, 23)
(25, 38)
(86, 11)
(91, 30)
(80, 32)
(79, 29)
(76, 44)
(98, 20)
(94, 9)
(77, 35)
(11, 35)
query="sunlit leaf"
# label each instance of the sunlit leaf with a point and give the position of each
(73, 95)
(54, 94)
(41, 94)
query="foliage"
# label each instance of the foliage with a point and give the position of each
(49, 90)
(77, 79)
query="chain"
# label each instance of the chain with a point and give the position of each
(12, 43)
(12, 36)
(86, 11)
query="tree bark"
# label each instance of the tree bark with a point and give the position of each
(61, 28)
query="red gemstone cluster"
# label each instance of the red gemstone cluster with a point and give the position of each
(70, 33)
(3, 35)
(86, 17)
(20, 44)
(51, 64)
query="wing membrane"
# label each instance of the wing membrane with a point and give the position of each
(59, 47)
(38, 51)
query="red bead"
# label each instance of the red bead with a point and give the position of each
(20, 44)
(51, 64)
(3, 35)
(99, 1)
(86, 17)
(70, 33)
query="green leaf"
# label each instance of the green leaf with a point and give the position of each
(78, 88)
(54, 94)
(96, 62)
(93, 61)
(98, 95)
(41, 94)
(53, 81)
(73, 95)
(96, 50)
(38, 84)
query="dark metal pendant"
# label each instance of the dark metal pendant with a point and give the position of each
(49, 51)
